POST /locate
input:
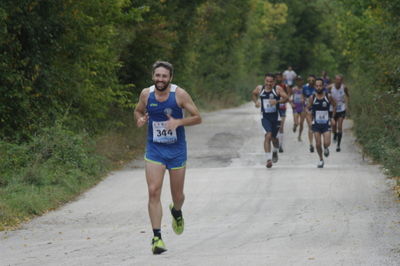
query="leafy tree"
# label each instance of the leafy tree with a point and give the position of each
(59, 60)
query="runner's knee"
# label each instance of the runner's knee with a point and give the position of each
(327, 142)
(154, 193)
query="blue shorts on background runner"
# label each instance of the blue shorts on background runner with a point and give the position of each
(271, 125)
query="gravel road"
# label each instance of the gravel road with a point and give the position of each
(237, 212)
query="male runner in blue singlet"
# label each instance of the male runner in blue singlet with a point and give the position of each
(271, 96)
(319, 103)
(161, 108)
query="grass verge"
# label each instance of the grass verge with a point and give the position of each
(56, 166)
(376, 115)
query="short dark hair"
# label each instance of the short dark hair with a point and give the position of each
(269, 75)
(278, 74)
(319, 79)
(312, 76)
(164, 64)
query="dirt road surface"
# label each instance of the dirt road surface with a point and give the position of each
(237, 212)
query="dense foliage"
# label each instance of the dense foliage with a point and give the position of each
(58, 60)
(370, 33)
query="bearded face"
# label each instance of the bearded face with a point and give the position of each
(319, 87)
(161, 78)
(269, 82)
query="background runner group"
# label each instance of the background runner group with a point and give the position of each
(322, 103)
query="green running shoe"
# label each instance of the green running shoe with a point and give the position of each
(177, 224)
(158, 245)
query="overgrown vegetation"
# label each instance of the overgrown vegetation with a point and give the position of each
(71, 72)
(370, 34)
(45, 172)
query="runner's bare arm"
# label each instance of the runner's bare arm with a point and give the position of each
(283, 94)
(310, 102)
(254, 96)
(140, 114)
(289, 91)
(333, 102)
(291, 100)
(346, 91)
(185, 101)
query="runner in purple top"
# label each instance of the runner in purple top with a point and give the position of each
(297, 102)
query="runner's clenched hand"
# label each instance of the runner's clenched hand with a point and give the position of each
(172, 123)
(142, 120)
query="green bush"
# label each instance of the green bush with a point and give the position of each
(377, 125)
(48, 170)
(367, 29)
(39, 161)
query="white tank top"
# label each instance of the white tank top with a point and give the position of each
(339, 96)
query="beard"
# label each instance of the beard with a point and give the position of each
(162, 88)
(320, 92)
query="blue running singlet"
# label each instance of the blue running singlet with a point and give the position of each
(167, 147)
(270, 112)
(320, 114)
(308, 90)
